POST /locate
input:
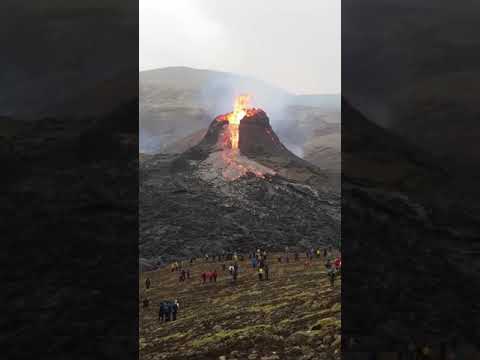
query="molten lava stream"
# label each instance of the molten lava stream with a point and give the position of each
(233, 129)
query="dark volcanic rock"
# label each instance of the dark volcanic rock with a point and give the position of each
(257, 137)
(411, 269)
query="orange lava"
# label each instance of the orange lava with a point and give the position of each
(241, 109)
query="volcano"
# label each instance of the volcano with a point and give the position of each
(239, 188)
(242, 143)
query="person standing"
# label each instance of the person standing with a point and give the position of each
(260, 273)
(162, 312)
(331, 275)
(174, 309)
(147, 283)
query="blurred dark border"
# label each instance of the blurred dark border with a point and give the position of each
(69, 184)
(410, 196)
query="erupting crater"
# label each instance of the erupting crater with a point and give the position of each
(235, 139)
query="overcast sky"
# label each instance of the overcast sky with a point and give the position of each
(295, 45)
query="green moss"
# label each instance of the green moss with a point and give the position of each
(224, 336)
(175, 336)
(327, 322)
(268, 308)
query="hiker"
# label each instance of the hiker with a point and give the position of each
(206, 257)
(267, 271)
(324, 252)
(280, 259)
(296, 256)
(230, 269)
(331, 275)
(328, 265)
(224, 267)
(264, 255)
(147, 283)
(260, 274)
(172, 267)
(145, 302)
(174, 309)
(214, 275)
(306, 264)
(338, 263)
(318, 253)
(309, 254)
(162, 312)
(188, 273)
(204, 277)
(235, 272)
(182, 275)
(210, 276)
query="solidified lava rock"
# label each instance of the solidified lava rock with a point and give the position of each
(257, 136)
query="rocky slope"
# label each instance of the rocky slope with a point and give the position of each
(419, 226)
(69, 211)
(425, 86)
(294, 315)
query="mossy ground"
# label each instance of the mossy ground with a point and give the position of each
(294, 315)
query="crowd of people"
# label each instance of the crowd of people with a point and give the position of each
(258, 261)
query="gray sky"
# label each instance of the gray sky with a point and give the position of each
(295, 45)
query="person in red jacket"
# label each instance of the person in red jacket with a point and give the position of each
(204, 277)
(338, 263)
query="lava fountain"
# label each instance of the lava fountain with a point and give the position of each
(241, 109)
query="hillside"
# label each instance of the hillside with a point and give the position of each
(294, 315)
(425, 86)
(420, 224)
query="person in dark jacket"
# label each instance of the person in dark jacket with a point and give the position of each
(162, 312)
(267, 271)
(147, 283)
(214, 275)
(331, 275)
